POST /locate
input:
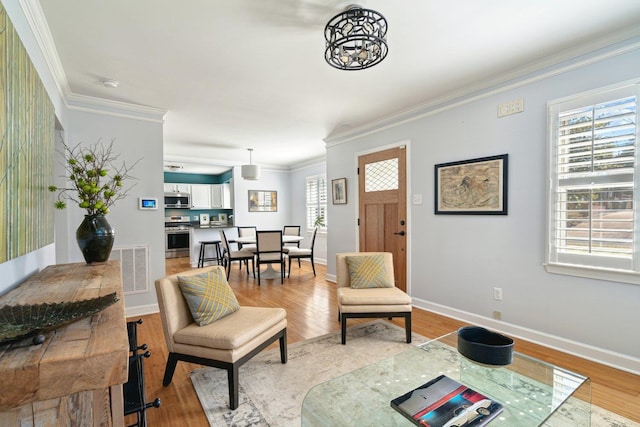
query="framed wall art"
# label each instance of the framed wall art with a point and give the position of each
(472, 187)
(263, 201)
(339, 191)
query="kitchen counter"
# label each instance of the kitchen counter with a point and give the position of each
(203, 232)
(197, 225)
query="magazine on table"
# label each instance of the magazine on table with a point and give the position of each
(444, 402)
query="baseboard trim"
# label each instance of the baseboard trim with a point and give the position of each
(331, 278)
(595, 354)
(142, 310)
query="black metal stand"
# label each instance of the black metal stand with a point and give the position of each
(134, 394)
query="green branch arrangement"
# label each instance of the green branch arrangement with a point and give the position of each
(96, 182)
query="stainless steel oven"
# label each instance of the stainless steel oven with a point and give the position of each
(177, 239)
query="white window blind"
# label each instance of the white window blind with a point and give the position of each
(316, 200)
(593, 182)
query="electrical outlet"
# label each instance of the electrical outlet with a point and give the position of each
(417, 199)
(511, 107)
(497, 294)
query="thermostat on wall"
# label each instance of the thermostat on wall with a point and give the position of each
(147, 203)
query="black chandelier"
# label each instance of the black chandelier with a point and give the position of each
(356, 39)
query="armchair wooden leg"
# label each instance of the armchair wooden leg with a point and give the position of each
(283, 347)
(313, 266)
(232, 372)
(289, 275)
(407, 326)
(172, 361)
(344, 330)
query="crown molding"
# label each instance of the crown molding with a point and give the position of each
(115, 108)
(37, 22)
(551, 66)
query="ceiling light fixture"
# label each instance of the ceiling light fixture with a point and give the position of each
(111, 84)
(250, 171)
(356, 39)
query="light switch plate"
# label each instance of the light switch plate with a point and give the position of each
(511, 107)
(417, 199)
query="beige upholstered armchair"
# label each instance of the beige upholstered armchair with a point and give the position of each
(226, 343)
(365, 300)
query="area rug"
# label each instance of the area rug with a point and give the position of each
(271, 393)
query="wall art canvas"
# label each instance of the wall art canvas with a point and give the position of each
(263, 201)
(472, 187)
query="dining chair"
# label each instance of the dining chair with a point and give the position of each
(300, 253)
(269, 251)
(229, 256)
(247, 231)
(291, 230)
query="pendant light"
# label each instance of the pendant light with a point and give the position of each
(250, 171)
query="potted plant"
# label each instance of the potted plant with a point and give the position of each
(95, 185)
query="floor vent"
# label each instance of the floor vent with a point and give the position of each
(134, 268)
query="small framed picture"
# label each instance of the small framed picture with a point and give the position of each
(339, 191)
(263, 201)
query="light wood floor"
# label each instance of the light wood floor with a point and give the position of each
(311, 311)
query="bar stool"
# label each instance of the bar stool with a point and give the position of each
(203, 250)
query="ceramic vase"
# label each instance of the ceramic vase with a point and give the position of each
(95, 238)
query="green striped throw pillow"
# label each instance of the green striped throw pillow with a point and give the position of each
(208, 296)
(368, 271)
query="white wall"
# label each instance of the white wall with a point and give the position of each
(133, 139)
(299, 208)
(270, 180)
(457, 260)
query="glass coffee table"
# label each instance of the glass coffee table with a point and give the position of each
(532, 392)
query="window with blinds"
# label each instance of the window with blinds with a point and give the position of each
(593, 184)
(316, 201)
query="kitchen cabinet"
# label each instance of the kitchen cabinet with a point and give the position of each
(177, 188)
(200, 196)
(221, 196)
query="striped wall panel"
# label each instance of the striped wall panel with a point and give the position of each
(27, 126)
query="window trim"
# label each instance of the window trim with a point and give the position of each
(552, 264)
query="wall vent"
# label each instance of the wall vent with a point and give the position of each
(134, 268)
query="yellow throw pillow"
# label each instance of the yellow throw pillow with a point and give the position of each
(208, 296)
(368, 271)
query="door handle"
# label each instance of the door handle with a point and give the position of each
(400, 233)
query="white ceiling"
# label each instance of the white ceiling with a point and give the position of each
(235, 74)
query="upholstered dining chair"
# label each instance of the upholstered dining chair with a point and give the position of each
(269, 250)
(290, 230)
(299, 253)
(366, 288)
(247, 231)
(228, 256)
(226, 337)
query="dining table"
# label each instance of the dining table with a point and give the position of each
(269, 272)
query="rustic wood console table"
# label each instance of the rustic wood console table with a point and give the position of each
(75, 377)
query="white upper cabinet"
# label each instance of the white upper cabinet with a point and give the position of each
(201, 196)
(177, 188)
(221, 196)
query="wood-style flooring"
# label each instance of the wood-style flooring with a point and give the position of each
(311, 311)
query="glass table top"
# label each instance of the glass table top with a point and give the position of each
(532, 392)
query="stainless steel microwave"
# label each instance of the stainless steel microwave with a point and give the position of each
(177, 200)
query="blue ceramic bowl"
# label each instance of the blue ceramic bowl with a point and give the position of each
(484, 346)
